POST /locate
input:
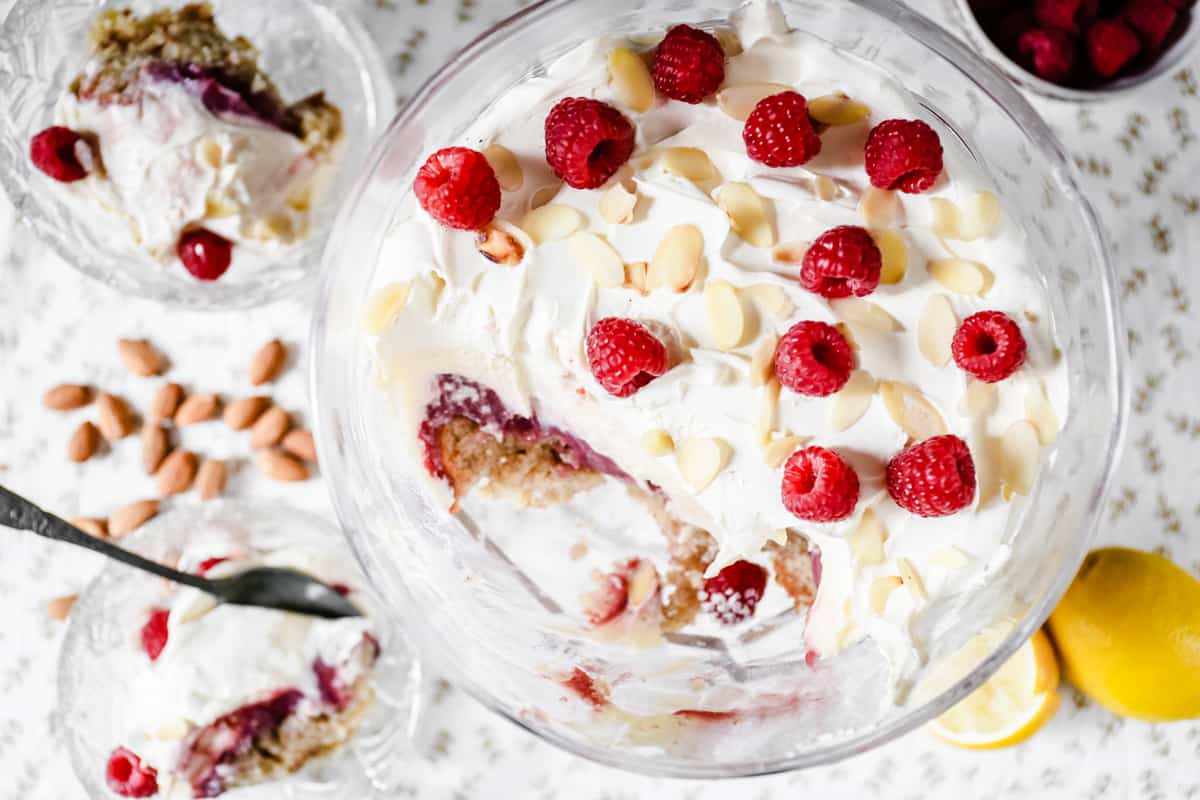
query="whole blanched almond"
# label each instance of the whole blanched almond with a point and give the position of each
(116, 421)
(59, 607)
(165, 402)
(129, 518)
(299, 443)
(245, 411)
(84, 443)
(140, 358)
(280, 466)
(197, 408)
(270, 428)
(91, 525)
(177, 472)
(210, 479)
(67, 396)
(154, 447)
(267, 362)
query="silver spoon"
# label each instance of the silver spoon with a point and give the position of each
(266, 587)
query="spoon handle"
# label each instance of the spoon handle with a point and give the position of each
(21, 514)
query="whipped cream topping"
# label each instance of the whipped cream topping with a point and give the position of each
(521, 330)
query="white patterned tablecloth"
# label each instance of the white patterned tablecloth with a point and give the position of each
(1140, 159)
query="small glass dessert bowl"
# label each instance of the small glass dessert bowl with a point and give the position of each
(164, 694)
(193, 154)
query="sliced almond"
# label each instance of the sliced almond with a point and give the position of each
(91, 525)
(299, 443)
(880, 591)
(267, 362)
(543, 195)
(777, 450)
(866, 543)
(384, 307)
(910, 410)
(67, 397)
(210, 479)
(165, 402)
(1021, 452)
(84, 442)
(505, 165)
(116, 420)
(726, 320)
(762, 362)
(499, 246)
(768, 411)
(879, 207)
(1040, 412)
(177, 472)
(676, 260)
(748, 213)
(848, 335)
(850, 402)
(643, 583)
(551, 223)
(635, 276)
(864, 314)
(599, 258)
(894, 253)
(140, 358)
(791, 253)
(129, 518)
(269, 428)
(245, 411)
(771, 299)
(690, 163)
(731, 42)
(658, 442)
(979, 399)
(948, 557)
(837, 109)
(935, 330)
(946, 220)
(700, 459)
(739, 101)
(981, 216)
(59, 608)
(197, 408)
(912, 579)
(630, 79)
(618, 203)
(961, 275)
(154, 447)
(825, 188)
(281, 466)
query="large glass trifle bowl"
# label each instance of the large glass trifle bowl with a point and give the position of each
(498, 611)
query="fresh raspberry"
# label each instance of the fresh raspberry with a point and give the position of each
(1048, 52)
(154, 633)
(1007, 28)
(587, 141)
(53, 151)
(204, 254)
(934, 478)
(1182, 5)
(1111, 45)
(624, 355)
(818, 485)
(1067, 15)
(843, 261)
(733, 593)
(813, 358)
(128, 776)
(779, 132)
(1152, 19)
(689, 64)
(904, 154)
(989, 345)
(458, 188)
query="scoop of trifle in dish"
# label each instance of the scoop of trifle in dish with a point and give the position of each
(230, 696)
(175, 141)
(709, 331)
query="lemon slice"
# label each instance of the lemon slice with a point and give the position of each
(1014, 703)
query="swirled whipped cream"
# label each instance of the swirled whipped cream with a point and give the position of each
(519, 329)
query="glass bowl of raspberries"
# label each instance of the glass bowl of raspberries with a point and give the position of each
(1082, 50)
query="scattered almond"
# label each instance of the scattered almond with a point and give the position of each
(499, 246)
(945, 218)
(880, 590)
(1021, 452)
(825, 188)
(948, 557)
(771, 299)
(281, 466)
(690, 163)
(848, 335)
(165, 402)
(269, 428)
(129, 518)
(384, 306)
(140, 358)
(894, 253)
(777, 450)
(762, 362)
(935, 330)
(1040, 412)
(643, 583)
(299, 443)
(658, 442)
(60, 607)
(748, 212)
(177, 472)
(154, 447)
(676, 260)
(739, 101)
(635, 276)
(879, 207)
(84, 442)
(961, 275)
(210, 479)
(700, 459)
(551, 223)
(630, 79)
(981, 216)
(543, 195)
(912, 579)
(67, 397)
(768, 411)
(197, 408)
(91, 526)
(837, 109)
(599, 258)
(726, 320)
(866, 543)
(851, 402)
(245, 411)
(617, 204)
(979, 399)
(909, 409)
(731, 43)
(116, 420)
(865, 314)
(505, 165)
(267, 362)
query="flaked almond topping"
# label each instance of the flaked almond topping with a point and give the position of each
(771, 299)
(912, 579)
(837, 109)
(499, 246)
(551, 223)
(726, 320)
(630, 79)
(676, 260)
(981, 216)
(762, 361)
(618, 203)
(267, 362)
(880, 208)
(635, 276)
(67, 397)
(599, 258)
(1040, 412)
(911, 411)
(690, 163)
(961, 275)
(894, 254)
(731, 43)
(948, 557)
(739, 101)
(865, 314)
(1021, 453)
(505, 165)
(848, 405)
(935, 330)
(140, 358)
(881, 590)
(701, 459)
(866, 543)
(543, 195)
(979, 399)
(384, 306)
(658, 442)
(768, 411)
(777, 450)
(825, 188)
(748, 212)
(945, 218)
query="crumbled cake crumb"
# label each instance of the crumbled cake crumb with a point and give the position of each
(793, 563)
